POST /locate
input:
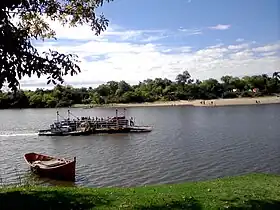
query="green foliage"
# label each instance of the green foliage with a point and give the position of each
(229, 94)
(247, 94)
(256, 191)
(146, 91)
(183, 78)
(19, 58)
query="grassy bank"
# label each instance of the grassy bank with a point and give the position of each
(256, 191)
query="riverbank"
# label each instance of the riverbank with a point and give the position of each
(214, 102)
(255, 191)
(238, 101)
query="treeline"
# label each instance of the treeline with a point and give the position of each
(184, 88)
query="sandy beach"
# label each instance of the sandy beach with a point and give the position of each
(238, 101)
(214, 102)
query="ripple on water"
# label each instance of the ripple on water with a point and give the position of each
(187, 144)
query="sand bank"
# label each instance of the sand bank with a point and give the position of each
(214, 102)
(237, 101)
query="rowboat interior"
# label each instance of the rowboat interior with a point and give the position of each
(44, 161)
(48, 163)
(47, 166)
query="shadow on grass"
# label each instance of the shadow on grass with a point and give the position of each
(50, 200)
(176, 205)
(255, 204)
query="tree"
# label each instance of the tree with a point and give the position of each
(211, 88)
(36, 101)
(183, 78)
(122, 88)
(147, 91)
(113, 85)
(4, 101)
(227, 82)
(18, 57)
(103, 90)
(258, 81)
(97, 99)
(265, 81)
(276, 75)
(226, 79)
(49, 100)
(274, 82)
(238, 83)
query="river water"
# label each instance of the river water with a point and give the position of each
(186, 144)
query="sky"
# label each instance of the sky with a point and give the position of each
(162, 38)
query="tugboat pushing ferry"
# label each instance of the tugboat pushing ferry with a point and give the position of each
(92, 125)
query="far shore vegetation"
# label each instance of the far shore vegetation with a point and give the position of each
(184, 88)
(252, 191)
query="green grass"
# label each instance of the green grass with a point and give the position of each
(255, 191)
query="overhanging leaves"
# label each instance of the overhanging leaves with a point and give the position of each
(18, 57)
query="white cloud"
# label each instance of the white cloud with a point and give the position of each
(243, 55)
(220, 27)
(185, 49)
(239, 40)
(238, 47)
(268, 48)
(137, 61)
(153, 38)
(216, 46)
(268, 53)
(187, 31)
(113, 31)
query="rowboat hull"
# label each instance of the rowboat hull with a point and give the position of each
(51, 167)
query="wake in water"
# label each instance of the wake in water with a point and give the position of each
(18, 134)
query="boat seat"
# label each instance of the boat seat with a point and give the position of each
(49, 163)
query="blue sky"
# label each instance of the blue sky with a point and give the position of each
(257, 20)
(161, 38)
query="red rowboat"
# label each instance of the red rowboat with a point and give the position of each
(57, 168)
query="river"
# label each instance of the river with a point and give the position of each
(186, 144)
